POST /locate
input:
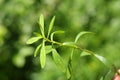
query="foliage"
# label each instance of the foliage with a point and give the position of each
(18, 22)
(56, 57)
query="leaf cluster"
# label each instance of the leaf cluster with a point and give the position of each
(44, 49)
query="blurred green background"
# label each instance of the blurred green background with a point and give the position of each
(19, 19)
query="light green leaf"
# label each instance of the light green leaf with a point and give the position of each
(58, 60)
(43, 55)
(68, 43)
(101, 58)
(48, 49)
(101, 78)
(56, 32)
(36, 50)
(41, 23)
(84, 53)
(68, 73)
(51, 26)
(33, 39)
(81, 34)
(37, 34)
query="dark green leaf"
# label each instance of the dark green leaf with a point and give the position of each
(56, 32)
(36, 50)
(43, 55)
(58, 60)
(33, 39)
(80, 34)
(51, 26)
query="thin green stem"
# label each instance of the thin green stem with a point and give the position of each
(72, 46)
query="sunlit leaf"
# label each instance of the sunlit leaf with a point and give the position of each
(58, 60)
(41, 23)
(101, 58)
(68, 43)
(51, 26)
(56, 32)
(33, 39)
(101, 78)
(80, 34)
(48, 49)
(43, 55)
(36, 50)
(37, 34)
(84, 53)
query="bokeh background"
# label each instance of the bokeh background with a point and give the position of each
(19, 19)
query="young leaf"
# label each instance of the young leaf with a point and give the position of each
(84, 53)
(33, 39)
(58, 60)
(41, 23)
(80, 34)
(68, 43)
(102, 59)
(37, 34)
(48, 49)
(43, 55)
(56, 32)
(51, 26)
(36, 50)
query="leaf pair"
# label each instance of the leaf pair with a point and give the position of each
(41, 23)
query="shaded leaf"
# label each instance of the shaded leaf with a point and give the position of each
(58, 60)
(43, 55)
(68, 73)
(51, 26)
(33, 39)
(56, 32)
(80, 34)
(48, 49)
(36, 50)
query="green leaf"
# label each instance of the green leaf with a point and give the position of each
(43, 55)
(36, 50)
(101, 78)
(80, 34)
(48, 49)
(84, 53)
(68, 73)
(56, 32)
(58, 60)
(69, 69)
(101, 58)
(33, 39)
(37, 34)
(51, 26)
(41, 23)
(68, 43)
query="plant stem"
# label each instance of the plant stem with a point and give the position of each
(72, 46)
